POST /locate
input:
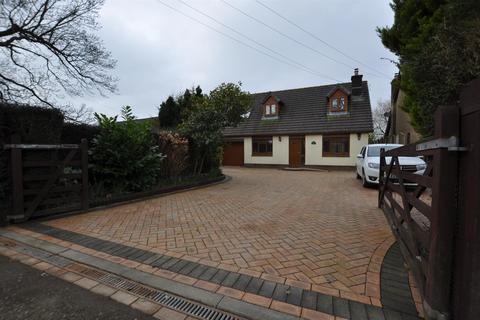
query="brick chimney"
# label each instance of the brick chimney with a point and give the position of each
(357, 83)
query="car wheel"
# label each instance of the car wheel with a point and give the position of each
(365, 183)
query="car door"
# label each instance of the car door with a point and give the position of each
(360, 159)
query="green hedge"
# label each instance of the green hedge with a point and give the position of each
(33, 124)
(73, 133)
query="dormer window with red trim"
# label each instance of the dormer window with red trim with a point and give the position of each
(271, 107)
(338, 100)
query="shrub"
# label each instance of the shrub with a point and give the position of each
(175, 148)
(124, 156)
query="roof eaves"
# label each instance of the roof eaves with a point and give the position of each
(339, 87)
(269, 94)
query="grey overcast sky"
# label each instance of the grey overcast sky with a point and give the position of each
(162, 52)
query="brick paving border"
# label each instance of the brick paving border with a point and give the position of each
(281, 297)
(395, 286)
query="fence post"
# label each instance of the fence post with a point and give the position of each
(380, 177)
(466, 286)
(17, 179)
(84, 159)
(442, 223)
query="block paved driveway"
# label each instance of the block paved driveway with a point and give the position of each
(303, 228)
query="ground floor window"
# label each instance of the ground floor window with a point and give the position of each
(336, 146)
(262, 146)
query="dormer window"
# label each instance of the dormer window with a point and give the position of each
(338, 100)
(271, 107)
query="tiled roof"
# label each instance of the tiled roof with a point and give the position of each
(304, 111)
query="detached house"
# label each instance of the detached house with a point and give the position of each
(316, 126)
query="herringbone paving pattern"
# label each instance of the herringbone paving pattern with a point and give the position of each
(311, 228)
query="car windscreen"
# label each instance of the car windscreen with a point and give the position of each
(374, 151)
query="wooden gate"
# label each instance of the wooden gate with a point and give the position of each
(432, 219)
(47, 179)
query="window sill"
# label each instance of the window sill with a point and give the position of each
(262, 154)
(337, 113)
(335, 155)
(269, 117)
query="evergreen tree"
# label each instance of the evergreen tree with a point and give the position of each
(438, 45)
(173, 110)
(169, 113)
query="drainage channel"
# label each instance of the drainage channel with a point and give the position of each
(160, 297)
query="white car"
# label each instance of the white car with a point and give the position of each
(368, 163)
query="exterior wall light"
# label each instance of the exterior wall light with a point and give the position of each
(359, 136)
(280, 138)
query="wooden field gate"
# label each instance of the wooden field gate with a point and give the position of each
(437, 221)
(47, 179)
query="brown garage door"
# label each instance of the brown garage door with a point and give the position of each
(233, 154)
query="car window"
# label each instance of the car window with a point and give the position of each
(374, 151)
(363, 151)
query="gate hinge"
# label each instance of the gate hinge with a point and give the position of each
(451, 144)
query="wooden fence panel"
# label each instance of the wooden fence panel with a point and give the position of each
(48, 179)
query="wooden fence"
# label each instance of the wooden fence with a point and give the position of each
(437, 221)
(47, 179)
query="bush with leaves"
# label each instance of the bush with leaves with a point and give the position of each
(204, 123)
(124, 156)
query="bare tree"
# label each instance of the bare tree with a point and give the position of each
(81, 114)
(48, 48)
(380, 118)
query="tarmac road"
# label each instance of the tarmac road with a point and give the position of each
(28, 293)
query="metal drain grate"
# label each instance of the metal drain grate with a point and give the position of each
(161, 297)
